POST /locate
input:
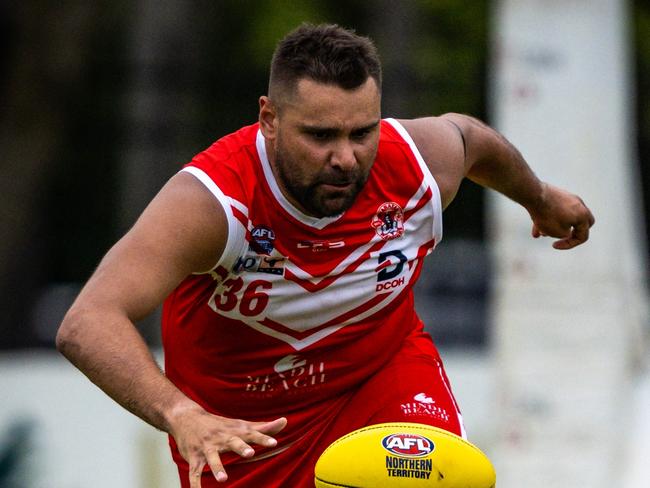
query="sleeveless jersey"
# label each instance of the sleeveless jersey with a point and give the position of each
(300, 309)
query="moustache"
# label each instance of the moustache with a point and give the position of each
(339, 179)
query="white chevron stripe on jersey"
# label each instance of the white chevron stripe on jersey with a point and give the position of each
(305, 340)
(301, 319)
(341, 268)
(355, 255)
(300, 341)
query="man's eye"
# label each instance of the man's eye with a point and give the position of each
(320, 135)
(360, 134)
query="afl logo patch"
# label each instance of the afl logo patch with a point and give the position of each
(388, 222)
(262, 239)
(408, 445)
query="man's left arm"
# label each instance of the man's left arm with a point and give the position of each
(456, 146)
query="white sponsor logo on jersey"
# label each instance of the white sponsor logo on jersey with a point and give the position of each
(319, 246)
(292, 373)
(423, 398)
(289, 362)
(424, 406)
(272, 264)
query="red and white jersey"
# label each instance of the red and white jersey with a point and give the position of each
(300, 309)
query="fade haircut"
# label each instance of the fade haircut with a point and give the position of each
(324, 53)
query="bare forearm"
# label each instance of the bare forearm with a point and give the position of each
(493, 162)
(108, 349)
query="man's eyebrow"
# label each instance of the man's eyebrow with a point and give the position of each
(319, 128)
(367, 127)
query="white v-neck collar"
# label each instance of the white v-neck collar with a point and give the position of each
(318, 223)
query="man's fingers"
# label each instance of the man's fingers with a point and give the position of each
(238, 446)
(581, 231)
(564, 244)
(214, 461)
(591, 219)
(272, 427)
(196, 469)
(229, 435)
(255, 437)
(568, 237)
(579, 235)
(263, 431)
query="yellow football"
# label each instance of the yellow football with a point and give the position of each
(403, 455)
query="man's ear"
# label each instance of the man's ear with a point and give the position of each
(268, 118)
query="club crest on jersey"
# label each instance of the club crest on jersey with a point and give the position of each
(388, 222)
(408, 445)
(262, 239)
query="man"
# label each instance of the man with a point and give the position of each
(287, 252)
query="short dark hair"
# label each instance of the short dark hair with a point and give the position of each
(326, 53)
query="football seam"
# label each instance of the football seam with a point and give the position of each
(331, 483)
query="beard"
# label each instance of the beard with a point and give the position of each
(316, 199)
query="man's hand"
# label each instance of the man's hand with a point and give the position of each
(558, 213)
(201, 437)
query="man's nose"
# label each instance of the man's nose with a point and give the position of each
(343, 156)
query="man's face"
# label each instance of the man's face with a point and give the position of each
(322, 144)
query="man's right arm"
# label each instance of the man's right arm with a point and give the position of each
(456, 146)
(183, 230)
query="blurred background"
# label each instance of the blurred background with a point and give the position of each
(103, 101)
